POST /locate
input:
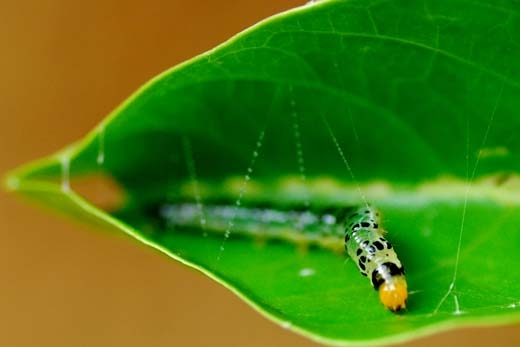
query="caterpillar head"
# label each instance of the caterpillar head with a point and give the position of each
(394, 293)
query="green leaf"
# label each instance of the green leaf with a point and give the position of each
(411, 106)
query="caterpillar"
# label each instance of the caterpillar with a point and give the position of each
(358, 233)
(375, 257)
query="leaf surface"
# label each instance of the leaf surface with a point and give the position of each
(411, 106)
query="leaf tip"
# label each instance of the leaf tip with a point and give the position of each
(11, 182)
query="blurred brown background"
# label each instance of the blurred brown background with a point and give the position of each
(64, 65)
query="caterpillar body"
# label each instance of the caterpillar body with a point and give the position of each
(358, 233)
(375, 257)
